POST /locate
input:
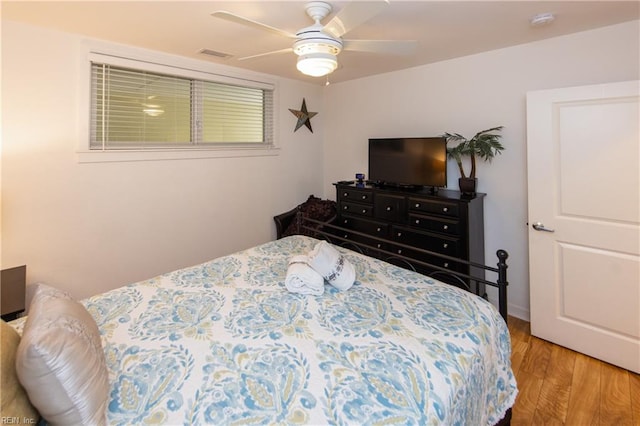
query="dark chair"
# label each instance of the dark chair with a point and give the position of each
(315, 208)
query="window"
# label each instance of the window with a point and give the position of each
(138, 109)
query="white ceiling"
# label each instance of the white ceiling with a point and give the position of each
(443, 29)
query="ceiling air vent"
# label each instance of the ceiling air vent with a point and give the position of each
(214, 53)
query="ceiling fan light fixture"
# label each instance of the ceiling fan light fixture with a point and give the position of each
(317, 45)
(317, 64)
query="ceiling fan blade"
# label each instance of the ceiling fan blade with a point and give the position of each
(274, 52)
(352, 15)
(228, 16)
(392, 47)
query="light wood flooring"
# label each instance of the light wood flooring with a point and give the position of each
(558, 386)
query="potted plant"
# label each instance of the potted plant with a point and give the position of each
(484, 145)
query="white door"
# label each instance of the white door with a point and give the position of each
(584, 199)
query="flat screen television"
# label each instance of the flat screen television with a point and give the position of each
(408, 161)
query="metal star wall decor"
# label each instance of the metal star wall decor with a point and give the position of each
(304, 117)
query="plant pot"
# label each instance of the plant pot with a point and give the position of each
(467, 185)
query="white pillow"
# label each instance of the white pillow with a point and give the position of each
(60, 361)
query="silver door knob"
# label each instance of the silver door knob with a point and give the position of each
(540, 227)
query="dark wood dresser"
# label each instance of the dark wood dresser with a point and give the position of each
(445, 222)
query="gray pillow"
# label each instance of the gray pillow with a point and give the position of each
(60, 361)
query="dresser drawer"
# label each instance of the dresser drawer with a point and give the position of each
(436, 224)
(371, 227)
(356, 208)
(390, 207)
(451, 265)
(358, 195)
(434, 206)
(352, 237)
(431, 242)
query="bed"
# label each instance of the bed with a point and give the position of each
(224, 342)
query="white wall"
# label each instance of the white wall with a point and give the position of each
(466, 95)
(87, 228)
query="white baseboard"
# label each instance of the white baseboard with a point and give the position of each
(519, 312)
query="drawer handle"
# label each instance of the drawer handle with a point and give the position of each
(399, 234)
(417, 221)
(346, 221)
(379, 245)
(446, 264)
(388, 208)
(445, 227)
(445, 245)
(445, 209)
(346, 235)
(364, 197)
(346, 194)
(399, 251)
(364, 210)
(379, 229)
(417, 205)
(345, 208)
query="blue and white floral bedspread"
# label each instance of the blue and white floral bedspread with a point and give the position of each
(224, 342)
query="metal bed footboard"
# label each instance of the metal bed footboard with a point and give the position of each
(331, 232)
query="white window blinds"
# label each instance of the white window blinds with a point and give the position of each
(135, 109)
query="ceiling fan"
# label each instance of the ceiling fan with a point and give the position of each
(318, 45)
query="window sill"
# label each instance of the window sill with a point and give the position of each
(172, 154)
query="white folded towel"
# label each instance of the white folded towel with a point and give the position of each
(332, 265)
(301, 278)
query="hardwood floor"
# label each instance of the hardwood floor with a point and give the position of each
(558, 386)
